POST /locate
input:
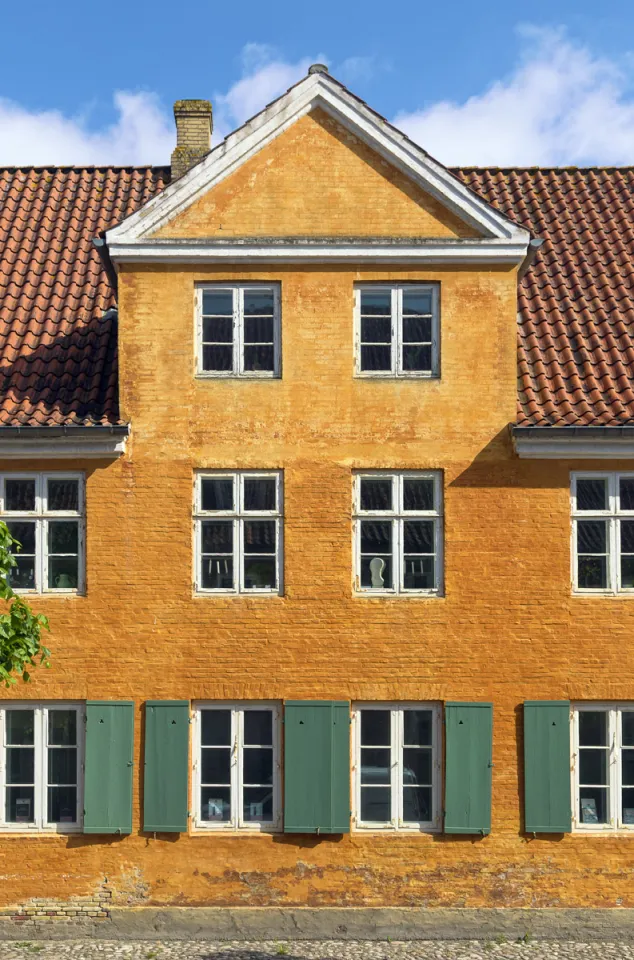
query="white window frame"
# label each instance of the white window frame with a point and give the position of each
(397, 516)
(238, 514)
(612, 514)
(238, 331)
(40, 739)
(42, 515)
(614, 711)
(397, 735)
(238, 708)
(396, 370)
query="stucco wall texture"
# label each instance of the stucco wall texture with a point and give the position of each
(506, 630)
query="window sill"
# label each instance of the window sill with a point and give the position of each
(224, 594)
(49, 593)
(396, 376)
(603, 831)
(237, 376)
(388, 595)
(614, 594)
(21, 831)
(221, 831)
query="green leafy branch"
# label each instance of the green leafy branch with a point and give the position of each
(20, 628)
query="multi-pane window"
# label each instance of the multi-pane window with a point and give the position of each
(237, 767)
(398, 532)
(397, 766)
(238, 519)
(397, 330)
(603, 766)
(238, 330)
(44, 512)
(603, 532)
(41, 766)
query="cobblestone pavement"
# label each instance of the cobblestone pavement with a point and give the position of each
(498, 949)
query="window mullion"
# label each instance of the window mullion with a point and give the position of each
(396, 771)
(397, 553)
(236, 770)
(397, 324)
(41, 765)
(238, 337)
(616, 774)
(238, 554)
(41, 557)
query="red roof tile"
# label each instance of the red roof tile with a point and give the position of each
(58, 353)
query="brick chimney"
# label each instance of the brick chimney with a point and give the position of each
(193, 134)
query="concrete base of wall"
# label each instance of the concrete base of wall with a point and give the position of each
(360, 923)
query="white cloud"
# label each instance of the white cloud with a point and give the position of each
(142, 133)
(562, 105)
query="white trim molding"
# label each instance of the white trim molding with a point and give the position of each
(574, 443)
(501, 238)
(63, 443)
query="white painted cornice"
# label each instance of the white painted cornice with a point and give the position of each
(55, 443)
(574, 443)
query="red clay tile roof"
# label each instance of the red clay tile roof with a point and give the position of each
(58, 356)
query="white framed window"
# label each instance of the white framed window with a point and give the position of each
(603, 766)
(397, 329)
(45, 513)
(238, 330)
(603, 532)
(41, 766)
(238, 520)
(397, 766)
(398, 532)
(236, 773)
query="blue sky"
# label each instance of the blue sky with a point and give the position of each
(548, 82)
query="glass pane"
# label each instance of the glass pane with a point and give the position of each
(419, 573)
(376, 330)
(24, 533)
(217, 573)
(417, 301)
(260, 493)
(627, 572)
(592, 493)
(215, 765)
(257, 765)
(62, 765)
(257, 804)
(259, 536)
(218, 302)
(417, 804)
(215, 804)
(591, 536)
(593, 804)
(216, 493)
(20, 765)
(627, 764)
(626, 493)
(376, 572)
(63, 573)
(376, 358)
(217, 536)
(593, 728)
(19, 495)
(62, 727)
(258, 330)
(416, 329)
(376, 536)
(218, 330)
(22, 577)
(63, 536)
(19, 726)
(375, 765)
(62, 804)
(593, 766)
(418, 536)
(627, 728)
(63, 494)
(418, 493)
(215, 728)
(259, 358)
(258, 302)
(259, 573)
(20, 805)
(376, 804)
(416, 765)
(376, 303)
(258, 727)
(627, 536)
(592, 572)
(376, 493)
(217, 358)
(627, 799)
(417, 727)
(416, 358)
(375, 727)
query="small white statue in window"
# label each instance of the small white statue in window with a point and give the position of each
(377, 566)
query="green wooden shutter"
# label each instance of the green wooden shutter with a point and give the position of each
(165, 780)
(108, 766)
(316, 766)
(469, 749)
(547, 805)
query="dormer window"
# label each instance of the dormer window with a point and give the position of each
(238, 330)
(397, 330)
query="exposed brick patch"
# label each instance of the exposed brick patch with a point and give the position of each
(39, 909)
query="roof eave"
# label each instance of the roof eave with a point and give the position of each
(574, 442)
(64, 442)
